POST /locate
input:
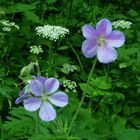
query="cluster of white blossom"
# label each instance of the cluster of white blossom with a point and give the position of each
(36, 49)
(67, 68)
(8, 25)
(122, 23)
(70, 85)
(50, 32)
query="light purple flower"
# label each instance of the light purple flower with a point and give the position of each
(102, 41)
(25, 92)
(45, 94)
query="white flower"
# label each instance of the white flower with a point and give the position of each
(122, 23)
(67, 68)
(36, 49)
(7, 29)
(50, 32)
(69, 85)
(8, 25)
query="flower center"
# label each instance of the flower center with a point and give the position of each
(44, 98)
(101, 41)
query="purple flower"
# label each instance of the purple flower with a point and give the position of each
(102, 41)
(22, 96)
(25, 92)
(45, 95)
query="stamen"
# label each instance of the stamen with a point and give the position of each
(101, 41)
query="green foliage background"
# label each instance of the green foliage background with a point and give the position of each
(111, 109)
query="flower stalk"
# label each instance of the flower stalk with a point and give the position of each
(83, 97)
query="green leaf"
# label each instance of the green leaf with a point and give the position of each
(128, 134)
(51, 1)
(31, 16)
(101, 82)
(20, 7)
(132, 13)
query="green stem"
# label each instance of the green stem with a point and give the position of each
(76, 56)
(38, 69)
(1, 129)
(83, 97)
(36, 124)
(50, 58)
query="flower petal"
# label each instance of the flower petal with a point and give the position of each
(116, 39)
(32, 104)
(21, 92)
(89, 48)
(59, 99)
(106, 54)
(47, 112)
(104, 27)
(51, 85)
(88, 32)
(21, 98)
(41, 79)
(36, 87)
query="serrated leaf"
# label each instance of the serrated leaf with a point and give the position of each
(31, 16)
(19, 7)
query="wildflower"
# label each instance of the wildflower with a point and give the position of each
(70, 85)
(6, 29)
(52, 33)
(122, 23)
(102, 41)
(67, 68)
(36, 49)
(44, 94)
(25, 92)
(8, 25)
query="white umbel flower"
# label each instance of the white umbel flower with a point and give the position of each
(122, 23)
(50, 32)
(36, 49)
(8, 25)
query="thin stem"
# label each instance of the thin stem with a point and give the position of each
(38, 69)
(76, 56)
(1, 129)
(83, 97)
(36, 124)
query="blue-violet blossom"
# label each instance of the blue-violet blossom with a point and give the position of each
(102, 41)
(44, 94)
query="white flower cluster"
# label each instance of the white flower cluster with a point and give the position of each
(67, 68)
(122, 23)
(36, 49)
(50, 32)
(70, 85)
(8, 25)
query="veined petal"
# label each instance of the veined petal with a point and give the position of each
(104, 27)
(36, 87)
(89, 48)
(88, 32)
(21, 98)
(106, 54)
(32, 104)
(21, 92)
(51, 85)
(59, 99)
(47, 112)
(116, 39)
(41, 79)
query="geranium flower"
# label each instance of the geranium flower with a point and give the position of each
(102, 41)
(44, 96)
(25, 92)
